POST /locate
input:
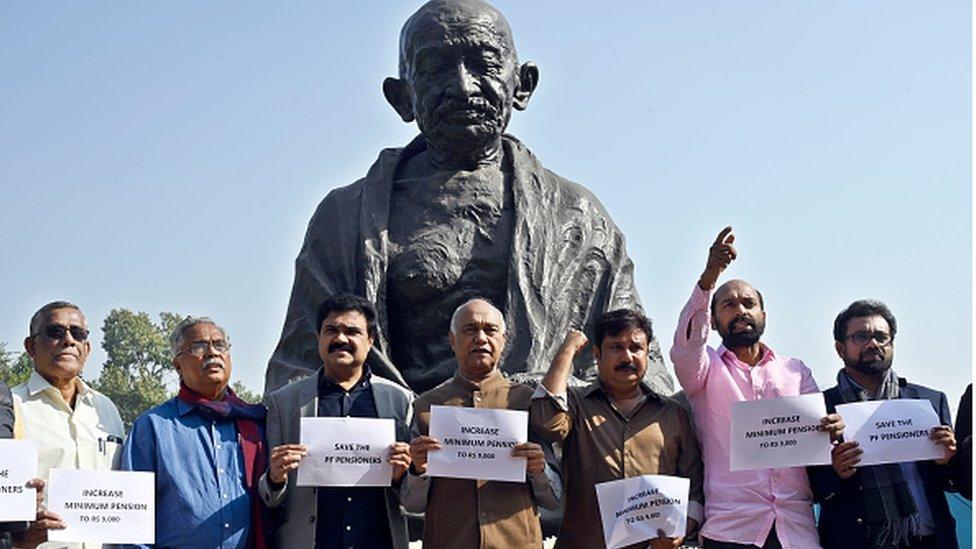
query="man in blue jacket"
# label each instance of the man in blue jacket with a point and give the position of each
(899, 505)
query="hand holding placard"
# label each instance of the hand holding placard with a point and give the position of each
(420, 448)
(285, 458)
(534, 456)
(45, 520)
(943, 436)
(399, 459)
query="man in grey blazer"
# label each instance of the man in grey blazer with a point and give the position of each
(332, 517)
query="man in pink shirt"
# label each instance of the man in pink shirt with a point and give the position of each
(768, 508)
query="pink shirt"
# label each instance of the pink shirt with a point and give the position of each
(741, 506)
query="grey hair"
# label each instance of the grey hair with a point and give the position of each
(457, 313)
(179, 333)
(41, 315)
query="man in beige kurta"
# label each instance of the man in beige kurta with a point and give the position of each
(466, 513)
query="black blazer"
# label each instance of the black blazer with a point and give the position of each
(841, 523)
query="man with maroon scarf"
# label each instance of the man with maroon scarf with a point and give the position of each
(206, 447)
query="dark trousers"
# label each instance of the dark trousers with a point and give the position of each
(772, 542)
(927, 542)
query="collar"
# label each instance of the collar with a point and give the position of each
(493, 380)
(767, 356)
(37, 384)
(182, 407)
(597, 385)
(326, 383)
(902, 383)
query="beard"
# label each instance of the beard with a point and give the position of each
(873, 367)
(733, 340)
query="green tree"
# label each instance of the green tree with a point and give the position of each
(138, 371)
(245, 393)
(14, 371)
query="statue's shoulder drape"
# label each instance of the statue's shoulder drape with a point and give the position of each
(568, 265)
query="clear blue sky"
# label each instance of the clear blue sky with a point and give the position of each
(168, 155)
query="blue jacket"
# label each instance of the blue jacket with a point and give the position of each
(841, 523)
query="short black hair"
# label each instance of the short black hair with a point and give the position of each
(762, 305)
(859, 309)
(340, 303)
(614, 322)
(42, 314)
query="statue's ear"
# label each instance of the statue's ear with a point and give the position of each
(528, 80)
(398, 96)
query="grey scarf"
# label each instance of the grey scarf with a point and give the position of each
(890, 512)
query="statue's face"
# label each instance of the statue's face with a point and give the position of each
(462, 75)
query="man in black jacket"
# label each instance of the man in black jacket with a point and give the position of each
(899, 505)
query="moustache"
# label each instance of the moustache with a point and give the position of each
(478, 104)
(211, 361)
(872, 354)
(625, 366)
(340, 347)
(748, 321)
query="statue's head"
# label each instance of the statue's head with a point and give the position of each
(459, 76)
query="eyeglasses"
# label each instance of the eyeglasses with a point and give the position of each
(55, 332)
(860, 338)
(200, 348)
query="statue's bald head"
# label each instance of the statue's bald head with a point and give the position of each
(451, 19)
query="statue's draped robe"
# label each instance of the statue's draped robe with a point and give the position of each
(568, 265)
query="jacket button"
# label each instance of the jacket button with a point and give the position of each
(860, 521)
(311, 518)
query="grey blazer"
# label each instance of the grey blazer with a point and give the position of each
(296, 528)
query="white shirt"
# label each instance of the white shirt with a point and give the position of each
(88, 437)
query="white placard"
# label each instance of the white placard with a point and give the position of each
(779, 432)
(346, 451)
(18, 464)
(103, 506)
(634, 509)
(891, 431)
(476, 443)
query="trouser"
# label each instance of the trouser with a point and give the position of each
(925, 542)
(772, 542)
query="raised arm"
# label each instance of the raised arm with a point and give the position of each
(689, 353)
(549, 414)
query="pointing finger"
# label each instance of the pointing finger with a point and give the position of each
(723, 234)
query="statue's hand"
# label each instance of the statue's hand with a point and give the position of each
(720, 255)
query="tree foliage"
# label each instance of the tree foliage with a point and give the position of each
(245, 394)
(137, 373)
(14, 371)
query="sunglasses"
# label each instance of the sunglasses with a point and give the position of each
(55, 332)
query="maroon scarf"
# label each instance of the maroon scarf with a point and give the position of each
(248, 419)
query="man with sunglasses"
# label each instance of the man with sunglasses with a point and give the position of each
(900, 505)
(73, 425)
(206, 447)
